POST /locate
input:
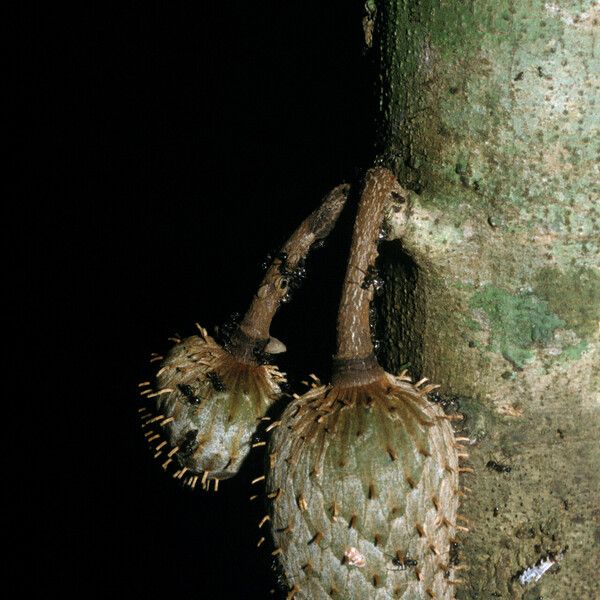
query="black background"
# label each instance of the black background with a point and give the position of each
(170, 147)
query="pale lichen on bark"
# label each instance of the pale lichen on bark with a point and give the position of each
(490, 118)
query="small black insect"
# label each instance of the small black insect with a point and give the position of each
(372, 278)
(226, 331)
(215, 381)
(286, 388)
(498, 467)
(260, 356)
(454, 554)
(372, 318)
(398, 197)
(296, 274)
(188, 444)
(266, 263)
(292, 279)
(402, 562)
(189, 394)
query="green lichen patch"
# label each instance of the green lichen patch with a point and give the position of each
(574, 352)
(573, 295)
(518, 322)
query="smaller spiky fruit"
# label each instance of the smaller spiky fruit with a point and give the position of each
(210, 397)
(212, 403)
(363, 490)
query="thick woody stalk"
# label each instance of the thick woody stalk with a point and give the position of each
(355, 361)
(253, 333)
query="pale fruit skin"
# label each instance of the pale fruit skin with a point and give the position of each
(363, 491)
(212, 404)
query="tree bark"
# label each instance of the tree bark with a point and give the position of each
(490, 119)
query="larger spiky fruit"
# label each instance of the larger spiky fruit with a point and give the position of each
(211, 403)
(363, 491)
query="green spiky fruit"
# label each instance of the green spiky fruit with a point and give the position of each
(209, 404)
(363, 491)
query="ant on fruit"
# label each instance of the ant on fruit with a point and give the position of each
(401, 561)
(215, 381)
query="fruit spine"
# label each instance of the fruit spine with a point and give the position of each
(363, 482)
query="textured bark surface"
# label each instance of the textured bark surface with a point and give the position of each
(490, 118)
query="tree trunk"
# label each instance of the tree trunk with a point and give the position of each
(490, 118)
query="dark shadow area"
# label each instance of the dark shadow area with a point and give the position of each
(399, 347)
(170, 148)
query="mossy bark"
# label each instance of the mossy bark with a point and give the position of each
(490, 117)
